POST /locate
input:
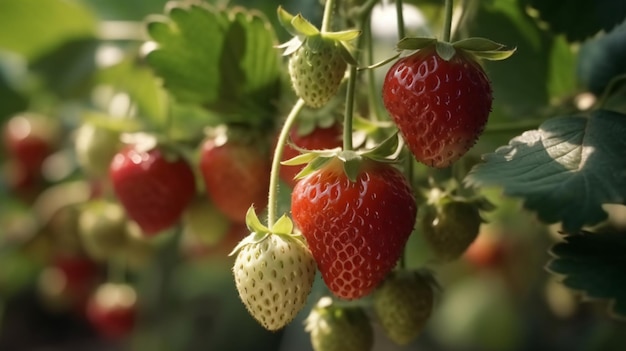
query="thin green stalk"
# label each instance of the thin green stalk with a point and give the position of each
(447, 24)
(372, 89)
(328, 14)
(400, 19)
(348, 114)
(116, 269)
(272, 203)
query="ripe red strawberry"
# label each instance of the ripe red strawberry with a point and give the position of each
(403, 304)
(355, 230)
(67, 282)
(339, 328)
(29, 139)
(440, 106)
(236, 175)
(153, 188)
(112, 310)
(319, 138)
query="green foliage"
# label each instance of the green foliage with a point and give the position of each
(224, 60)
(565, 170)
(594, 263)
(602, 59)
(580, 19)
(36, 26)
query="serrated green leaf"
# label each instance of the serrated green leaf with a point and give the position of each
(478, 44)
(565, 171)
(283, 225)
(223, 59)
(595, 264)
(142, 86)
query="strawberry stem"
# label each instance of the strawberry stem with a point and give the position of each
(327, 19)
(348, 114)
(272, 202)
(400, 19)
(116, 269)
(447, 24)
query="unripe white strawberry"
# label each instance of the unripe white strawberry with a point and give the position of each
(274, 274)
(318, 59)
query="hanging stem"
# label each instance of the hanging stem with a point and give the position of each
(400, 19)
(447, 24)
(272, 203)
(328, 14)
(348, 114)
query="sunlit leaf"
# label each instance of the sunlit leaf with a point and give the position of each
(565, 171)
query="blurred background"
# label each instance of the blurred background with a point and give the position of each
(65, 62)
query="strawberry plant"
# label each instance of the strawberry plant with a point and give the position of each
(212, 157)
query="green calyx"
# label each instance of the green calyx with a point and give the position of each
(480, 47)
(259, 232)
(349, 160)
(305, 33)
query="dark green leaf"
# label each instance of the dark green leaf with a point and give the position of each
(579, 19)
(519, 82)
(603, 58)
(225, 60)
(595, 264)
(67, 70)
(565, 171)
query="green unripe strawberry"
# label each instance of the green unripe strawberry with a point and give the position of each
(339, 328)
(95, 147)
(449, 227)
(316, 73)
(274, 272)
(403, 304)
(102, 228)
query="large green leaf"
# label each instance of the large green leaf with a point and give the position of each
(565, 171)
(140, 83)
(579, 19)
(30, 27)
(223, 59)
(595, 264)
